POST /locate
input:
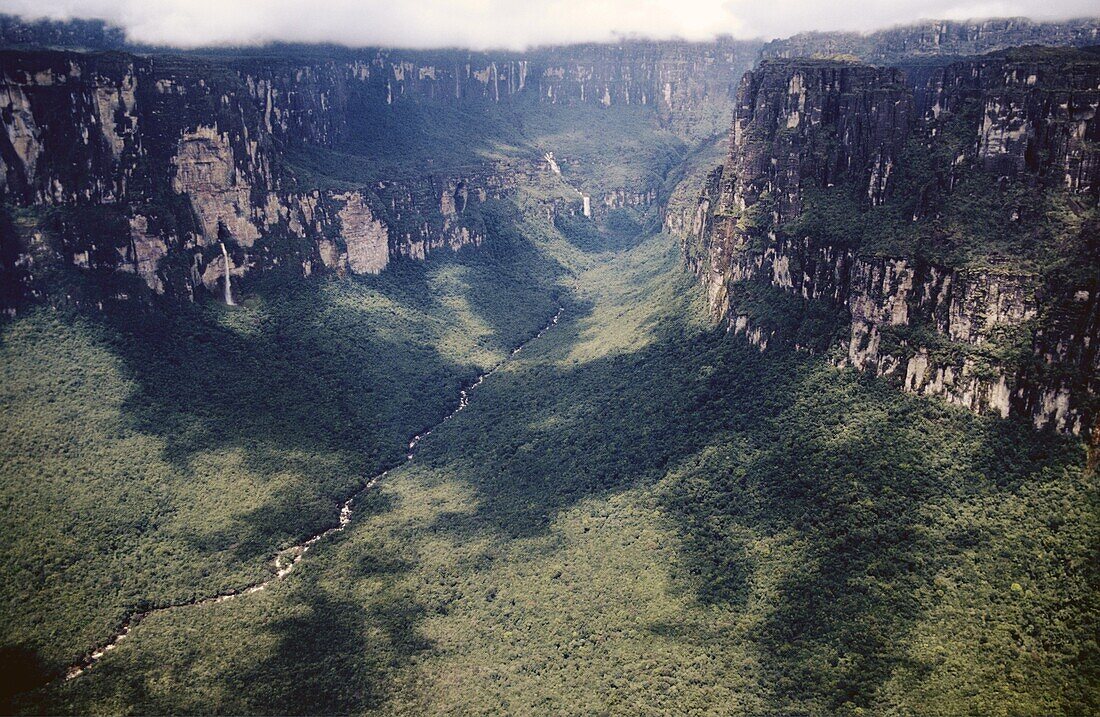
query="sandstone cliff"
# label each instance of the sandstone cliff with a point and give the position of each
(113, 163)
(936, 40)
(938, 229)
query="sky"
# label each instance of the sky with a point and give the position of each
(511, 24)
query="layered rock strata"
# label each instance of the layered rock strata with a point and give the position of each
(996, 338)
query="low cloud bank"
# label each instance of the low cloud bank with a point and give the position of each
(511, 24)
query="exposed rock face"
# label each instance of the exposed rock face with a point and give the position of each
(176, 161)
(146, 251)
(22, 138)
(993, 340)
(796, 125)
(88, 156)
(205, 171)
(367, 240)
(115, 106)
(1038, 114)
(936, 39)
(172, 174)
(684, 82)
(967, 307)
(181, 154)
(621, 198)
(814, 123)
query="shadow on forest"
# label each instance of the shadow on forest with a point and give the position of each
(312, 399)
(334, 655)
(844, 461)
(621, 229)
(326, 397)
(318, 652)
(21, 669)
(310, 396)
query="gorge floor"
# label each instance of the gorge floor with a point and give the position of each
(288, 558)
(643, 514)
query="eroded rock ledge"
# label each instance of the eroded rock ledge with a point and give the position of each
(157, 164)
(814, 137)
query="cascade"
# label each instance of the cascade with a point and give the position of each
(228, 290)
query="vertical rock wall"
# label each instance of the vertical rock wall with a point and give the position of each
(171, 158)
(995, 340)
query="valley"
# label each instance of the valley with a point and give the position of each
(652, 378)
(615, 496)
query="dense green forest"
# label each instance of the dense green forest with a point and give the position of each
(636, 514)
(155, 458)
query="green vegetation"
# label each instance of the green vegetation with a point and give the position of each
(153, 458)
(982, 223)
(638, 514)
(956, 213)
(814, 325)
(599, 149)
(407, 140)
(602, 149)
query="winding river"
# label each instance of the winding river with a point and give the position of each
(287, 560)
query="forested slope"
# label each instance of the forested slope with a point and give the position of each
(637, 514)
(641, 512)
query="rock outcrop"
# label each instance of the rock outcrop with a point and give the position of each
(127, 174)
(157, 161)
(821, 123)
(166, 157)
(366, 238)
(936, 40)
(816, 149)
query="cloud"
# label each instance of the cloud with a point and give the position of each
(513, 24)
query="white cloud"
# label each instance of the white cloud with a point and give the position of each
(512, 24)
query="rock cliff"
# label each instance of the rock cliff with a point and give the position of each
(934, 223)
(936, 41)
(937, 228)
(119, 164)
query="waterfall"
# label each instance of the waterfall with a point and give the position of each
(549, 157)
(228, 290)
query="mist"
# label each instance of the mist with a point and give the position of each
(507, 24)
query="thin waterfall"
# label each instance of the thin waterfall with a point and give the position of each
(228, 290)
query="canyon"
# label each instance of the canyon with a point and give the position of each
(702, 376)
(181, 172)
(193, 150)
(191, 153)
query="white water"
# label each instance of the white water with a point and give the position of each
(286, 560)
(549, 157)
(228, 290)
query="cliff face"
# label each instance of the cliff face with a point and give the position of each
(845, 186)
(118, 164)
(842, 190)
(814, 123)
(114, 163)
(675, 76)
(935, 40)
(1037, 112)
